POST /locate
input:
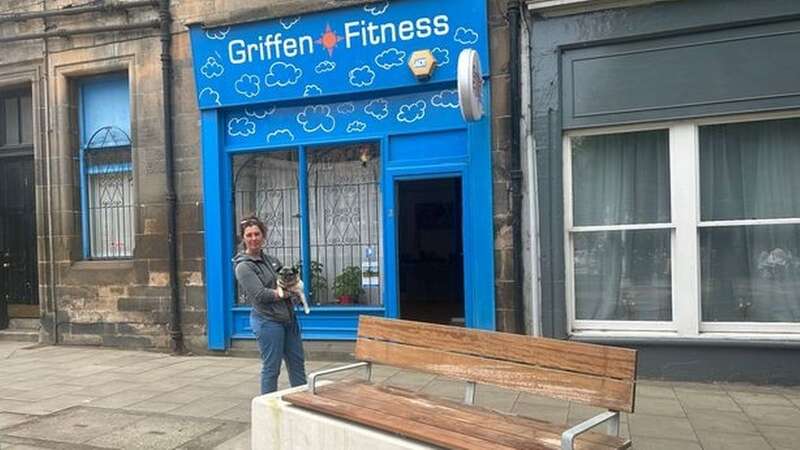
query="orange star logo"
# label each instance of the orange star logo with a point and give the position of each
(329, 39)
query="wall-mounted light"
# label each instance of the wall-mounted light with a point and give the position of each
(364, 156)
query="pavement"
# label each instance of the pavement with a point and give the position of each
(78, 398)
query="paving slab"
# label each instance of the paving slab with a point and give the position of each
(664, 444)
(238, 413)
(495, 398)
(205, 407)
(155, 432)
(410, 380)
(722, 421)
(240, 442)
(579, 412)
(773, 415)
(731, 441)
(646, 425)
(655, 391)
(760, 398)
(154, 405)
(74, 425)
(781, 437)
(661, 406)
(719, 401)
(554, 414)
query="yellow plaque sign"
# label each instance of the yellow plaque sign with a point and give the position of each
(422, 63)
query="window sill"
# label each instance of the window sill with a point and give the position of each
(121, 264)
(782, 340)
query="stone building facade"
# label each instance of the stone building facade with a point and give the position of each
(125, 302)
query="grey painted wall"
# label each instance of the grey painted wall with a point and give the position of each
(552, 36)
(705, 73)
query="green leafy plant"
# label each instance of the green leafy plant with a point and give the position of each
(348, 284)
(319, 284)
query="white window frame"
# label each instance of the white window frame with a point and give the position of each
(685, 224)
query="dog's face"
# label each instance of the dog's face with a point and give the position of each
(288, 276)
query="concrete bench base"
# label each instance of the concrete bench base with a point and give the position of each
(277, 425)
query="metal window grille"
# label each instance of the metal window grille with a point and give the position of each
(344, 212)
(107, 195)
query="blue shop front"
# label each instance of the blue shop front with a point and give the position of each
(367, 176)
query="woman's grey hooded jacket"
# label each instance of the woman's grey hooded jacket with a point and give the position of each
(257, 278)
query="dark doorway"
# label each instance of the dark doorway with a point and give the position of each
(18, 279)
(430, 248)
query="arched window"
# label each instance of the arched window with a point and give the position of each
(106, 169)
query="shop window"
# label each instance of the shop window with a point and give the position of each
(16, 120)
(342, 217)
(106, 169)
(621, 232)
(266, 185)
(687, 228)
(749, 230)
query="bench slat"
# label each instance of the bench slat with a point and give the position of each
(407, 411)
(526, 423)
(383, 420)
(590, 359)
(588, 389)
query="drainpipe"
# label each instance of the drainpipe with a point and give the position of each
(175, 331)
(515, 172)
(533, 274)
(45, 124)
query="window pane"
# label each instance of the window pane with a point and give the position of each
(750, 273)
(11, 120)
(26, 117)
(344, 217)
(266, 185)
(621, 178)
(111, 203)
(749, 170)
(105, 107)
(623, 275)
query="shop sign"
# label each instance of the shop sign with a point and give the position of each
(342, 51)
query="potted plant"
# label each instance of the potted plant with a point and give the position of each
(347, 285)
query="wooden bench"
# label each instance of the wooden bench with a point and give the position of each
(584, 373)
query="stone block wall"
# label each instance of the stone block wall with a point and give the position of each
(506, 314)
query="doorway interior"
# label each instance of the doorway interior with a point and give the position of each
(430, 250)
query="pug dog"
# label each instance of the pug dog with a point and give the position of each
(289, 280)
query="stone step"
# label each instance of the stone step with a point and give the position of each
(24, 324)
(19, 335)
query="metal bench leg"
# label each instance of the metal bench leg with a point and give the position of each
(568, 437)
(613, 425)
(469, 395)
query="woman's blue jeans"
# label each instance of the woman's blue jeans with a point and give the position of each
(277, 341)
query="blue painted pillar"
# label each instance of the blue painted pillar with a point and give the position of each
(213, 218)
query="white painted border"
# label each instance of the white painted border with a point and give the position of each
(684, 157)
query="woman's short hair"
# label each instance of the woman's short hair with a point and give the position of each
(250, 221)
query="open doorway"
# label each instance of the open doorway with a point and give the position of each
(430, 249)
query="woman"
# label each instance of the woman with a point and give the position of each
(273, 319)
